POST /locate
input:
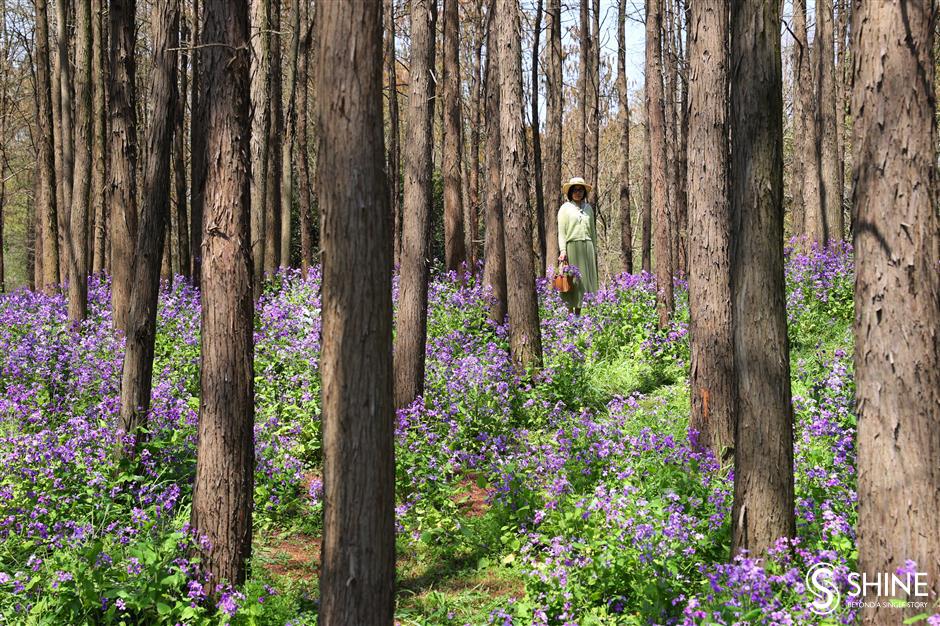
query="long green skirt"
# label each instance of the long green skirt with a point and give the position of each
(581, 254)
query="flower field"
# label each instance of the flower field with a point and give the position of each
(577, 497)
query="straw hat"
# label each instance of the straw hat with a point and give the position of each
(577, 180)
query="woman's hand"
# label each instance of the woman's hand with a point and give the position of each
(563, 257)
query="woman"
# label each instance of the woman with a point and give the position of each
(577, 232)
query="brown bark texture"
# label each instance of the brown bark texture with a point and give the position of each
(137, 375)
(494, 257)
(224, 482)
(123, 161)
(455, 252)
(646, 236)
(288, 181)
(659, 167)
(304, 190)
(712, 339)
(357, 583)
(260, 132)
(48, 231)
(763, 471)
(411, 332)
(272, 206)
(541, 215)
(81, 184)
(394, 131)
(623, 101)
(65, 164)
(99, 187)
(554, 107)
(472, 227)
(197, 140)
(897, 293)
(525, 338)
(181, 234)
(830, 164)
(805, 174)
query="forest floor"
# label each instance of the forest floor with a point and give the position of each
(574, 496)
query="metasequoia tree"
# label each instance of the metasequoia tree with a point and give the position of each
(712, 341)
(81, 184)
(763, 447)
(47, 199)
(659, 190)
(197, 140)
(525, 340)
(137, 375)
(288, 184)
(272, 205)
(305, 180)
(122, 102)
(411, 332)
(472, 211)
(394, 132)
(357, 584)
(99, 185)
(553, 118)
(455, 252)
(805, 217)
(623, 101)
(897, 293)
(224, 483)
(541, 216)
(830, 191)
(494, 257)
(260, 131)
(64, 131)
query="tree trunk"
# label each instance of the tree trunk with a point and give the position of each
(553, 122)
(763, 472)
(682, 200)
(179, 168)
(81, 185)
(472, 228)
(411, 334)
(584, 72)
(626, 228)
(47, 203)
(197, 138)
(494, 257)
(647, 219)
(64, 134)
(804, 165)
(455, 252)
(303, 144)
(541, 215)
(671, 82)
(123, 168)
(593, 136)
(525, 339)
(223, 486)
(712, 339)
(272, 227)
(394, 150)
(290, 136)
(99, 187)
(357, 583)
(659, 188)
(137, 375)
(260, 132)
(830, 194)
(897, 293)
